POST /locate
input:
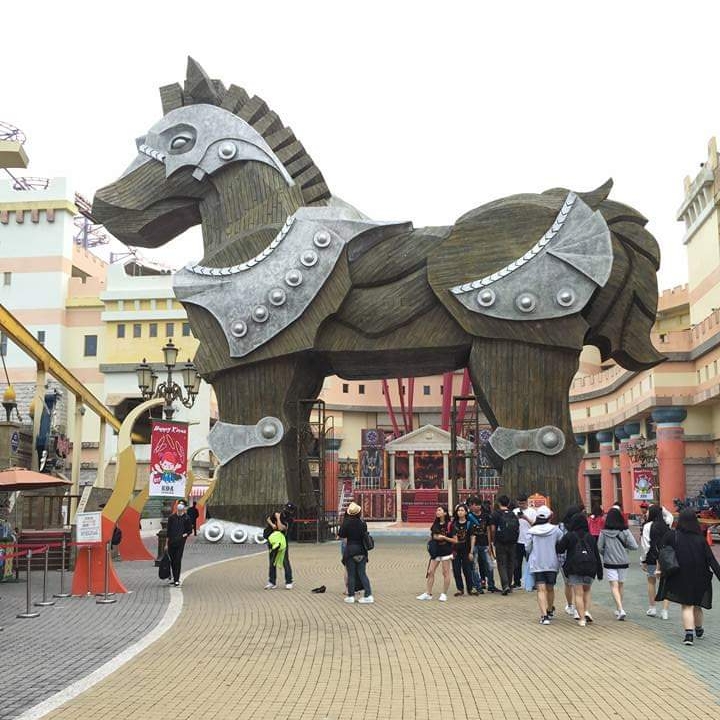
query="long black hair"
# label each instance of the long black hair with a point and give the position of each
(654, 513)
(615, 520)
(688, 522)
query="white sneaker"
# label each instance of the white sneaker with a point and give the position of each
(570, 610)
(269, 586)
(664, 614)
(350, 599)
(621, 615)
(367, 600)
(424, 596)
(651, 612)
(288, 586)
(582, 623)
(576, 615)
(443, 597)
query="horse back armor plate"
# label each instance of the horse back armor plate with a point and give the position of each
(256, 300)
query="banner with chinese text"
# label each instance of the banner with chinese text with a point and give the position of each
(168, 459)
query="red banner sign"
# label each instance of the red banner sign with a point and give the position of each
(643, 484)
(168, 459)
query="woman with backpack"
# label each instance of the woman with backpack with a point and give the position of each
(354, 530)
(613, 544)
(653, 532)
(691, 584)
(582, 565)
(440, 549)
(461, 564)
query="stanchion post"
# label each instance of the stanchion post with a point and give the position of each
(89, 562)
(45, 602)
(28, 613)
(104, 599)
(62, 593)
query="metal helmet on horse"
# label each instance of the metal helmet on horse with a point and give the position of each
(296, 285)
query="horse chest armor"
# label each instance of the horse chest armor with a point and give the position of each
(555, 278)
(256, 300)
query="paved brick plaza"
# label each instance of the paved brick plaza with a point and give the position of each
(241, 651)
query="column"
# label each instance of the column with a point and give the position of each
(582, 482)
(625, 470)
(448, 482)
(468, 471)
(76, 456)
(633, 433)
(670, 453)
(411, 468)
(607, 484)
(398, 490)
(38, 403)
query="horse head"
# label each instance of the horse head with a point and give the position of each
(189, 157)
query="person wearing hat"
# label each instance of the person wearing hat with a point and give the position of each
(355, 557)
(280, 520)
(543, 560)
(179, 527)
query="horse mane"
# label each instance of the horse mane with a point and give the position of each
(200, 88)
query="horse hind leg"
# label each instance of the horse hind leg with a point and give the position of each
(521, 387)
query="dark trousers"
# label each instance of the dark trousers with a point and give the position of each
(519, 557)
(272, 572)
(175, 551)
(462, 567)
(357, 570)
(505, 556)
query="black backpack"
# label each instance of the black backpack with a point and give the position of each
(508, 529)
(583, 561)
(116, 536)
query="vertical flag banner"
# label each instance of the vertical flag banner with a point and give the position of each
(168, 459)
(643, 481)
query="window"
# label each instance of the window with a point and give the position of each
(152, 332)
(121, 330)
(90, 346)
(345, 387)
(361, 389)
(442, 388)
(186, 329)
(137, 330)
(426, 389)
(7, 278)
(3, 344)
(169, 329)
(41, 337)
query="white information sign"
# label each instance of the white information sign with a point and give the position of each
(88, 527)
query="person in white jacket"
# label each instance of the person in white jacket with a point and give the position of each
(613, 544)
(543, 561)
(656, 525)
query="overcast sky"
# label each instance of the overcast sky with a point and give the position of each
(413, 111)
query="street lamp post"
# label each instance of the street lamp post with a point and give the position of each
(170, 392)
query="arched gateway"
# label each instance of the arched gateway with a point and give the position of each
(296, 285)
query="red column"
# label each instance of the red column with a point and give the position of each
(670, 454)
(607, 482)
(582, 480)
(626, 479)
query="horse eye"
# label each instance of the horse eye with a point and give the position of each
(179, 142)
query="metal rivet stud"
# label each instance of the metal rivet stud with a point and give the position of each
(293, 278)
(268, 431)
(486, 298)
(227, 151)
(260, 314)
(550, 439)
(526, 302)
(277, 297)
(565, 297)
(238, 329)
(322, 238)
(309, 258)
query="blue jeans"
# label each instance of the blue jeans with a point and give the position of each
(357, 569)
(482, 569)
(272, 572)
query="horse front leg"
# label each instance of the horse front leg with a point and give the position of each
(525, 387)
(259, 479)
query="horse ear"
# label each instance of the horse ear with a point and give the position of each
(199, 88)
(593, 198)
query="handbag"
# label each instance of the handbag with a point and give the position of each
(667, 560)
(368, 542)
(164, 567)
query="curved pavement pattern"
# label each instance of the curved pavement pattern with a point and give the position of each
(239, 650)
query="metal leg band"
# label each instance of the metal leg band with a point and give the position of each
(228, 441)
(547, 440)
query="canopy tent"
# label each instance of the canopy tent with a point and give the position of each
(16, 478)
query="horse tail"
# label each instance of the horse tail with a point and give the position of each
(622, 313)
